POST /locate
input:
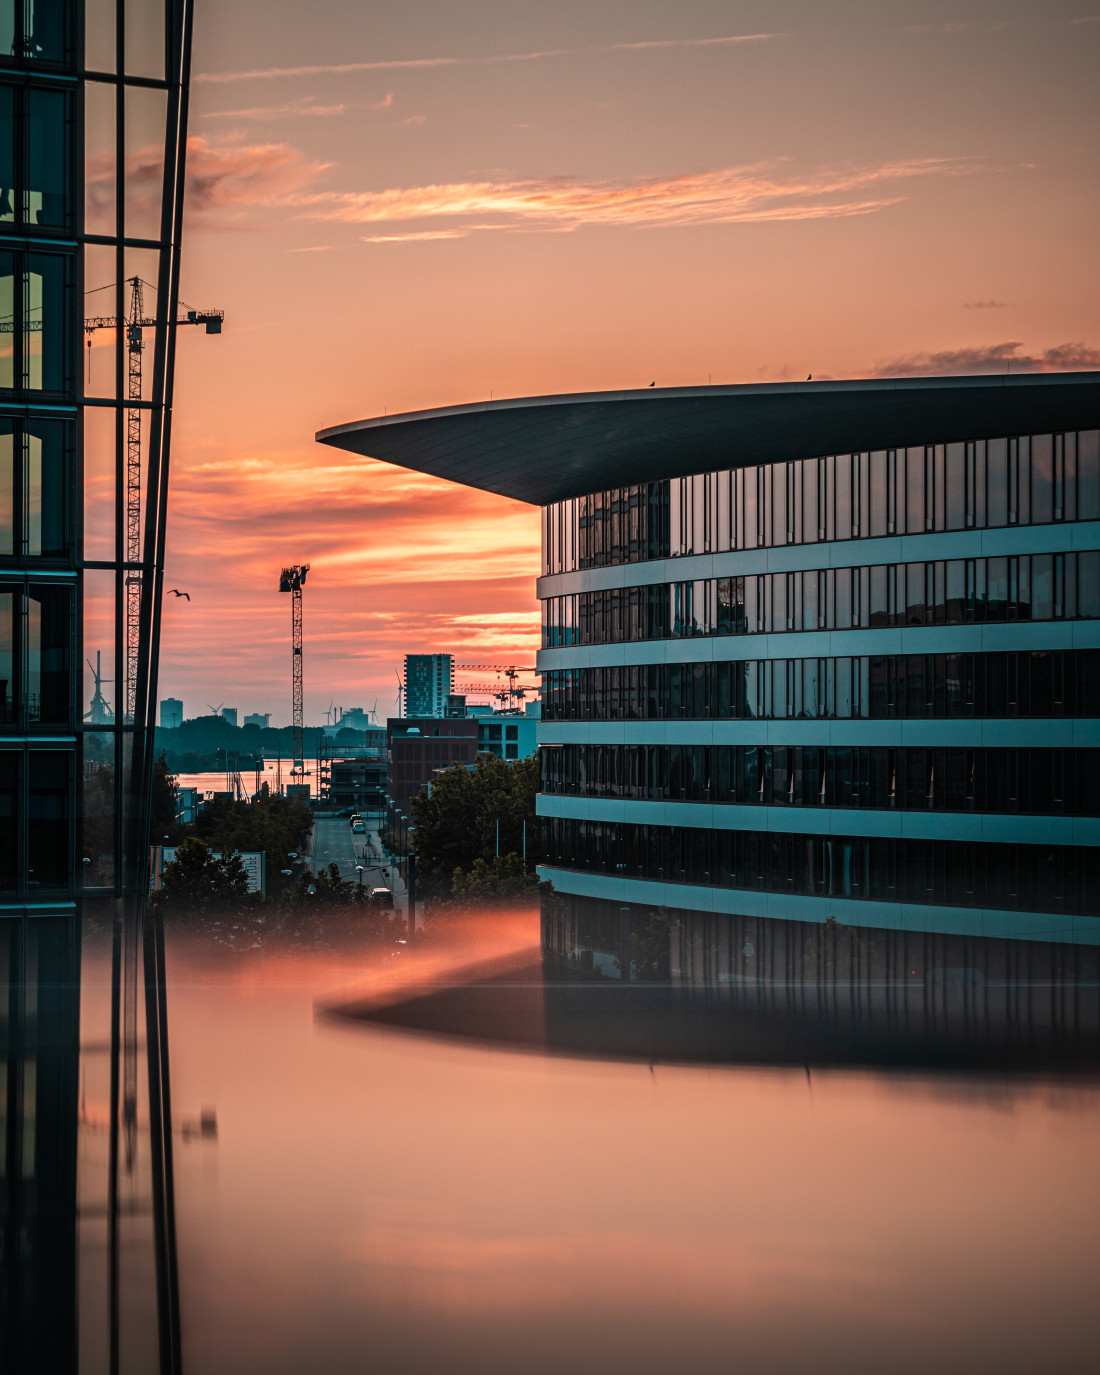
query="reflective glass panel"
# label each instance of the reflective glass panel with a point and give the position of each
(49, 623)
(45, 196)
(9, 829)
(48, 818)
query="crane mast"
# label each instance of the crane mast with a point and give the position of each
(292, 580)
(136, 322)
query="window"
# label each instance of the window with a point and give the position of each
(34, 298)
(511, 732)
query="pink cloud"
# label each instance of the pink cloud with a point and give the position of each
(991, 358)
(753, 192)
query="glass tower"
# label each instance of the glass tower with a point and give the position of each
(92, 132)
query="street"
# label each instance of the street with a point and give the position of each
(334, 843)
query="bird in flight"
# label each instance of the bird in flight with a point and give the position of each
(177, 593)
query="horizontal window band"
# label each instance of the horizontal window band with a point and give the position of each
(893, 916)
(1002, 541)
(828, 823)
(1050, 876)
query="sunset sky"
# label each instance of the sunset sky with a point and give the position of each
(409, 205)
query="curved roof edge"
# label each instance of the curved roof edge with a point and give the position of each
(541, 449)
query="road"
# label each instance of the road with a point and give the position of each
(334, 843)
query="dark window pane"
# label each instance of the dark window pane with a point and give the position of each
(7, 320)
(1042, 587)
(47, 489)
(49, 620)
(1041, 486)
(7, 656)
(1088, 584)
(956, 486)
(997, 468)
(44, 332)
(878, 595)
(997, 590)
(48, 812)
(1088, 475)
(45, 191)
(7, 153)
(9, 831)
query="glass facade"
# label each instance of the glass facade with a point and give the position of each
(880, 687)
(1046, 782)
(976, 608)
(1026, 587)
(92, 113)
(976, 485)
(1051, 879)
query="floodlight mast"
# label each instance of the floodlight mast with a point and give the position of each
(292, 580)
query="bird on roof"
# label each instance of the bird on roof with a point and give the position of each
(653, 384)
(810, 378)
(177, 593)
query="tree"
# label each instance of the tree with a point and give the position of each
(457, 824)
(499, 882)
(164, 802)
(197, 879)
(271, 823)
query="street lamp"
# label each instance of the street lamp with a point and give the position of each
(359, 870)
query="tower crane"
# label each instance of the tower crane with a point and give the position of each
(512, 692)
(292, 580)
(135, 323)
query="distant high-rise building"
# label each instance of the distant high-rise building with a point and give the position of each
(429, 681)
(171, 713)
(258, 718)
(229, 714)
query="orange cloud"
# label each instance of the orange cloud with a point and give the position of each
(731, 194)
(1004, 357)
(230, 173)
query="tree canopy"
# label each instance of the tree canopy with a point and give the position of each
(457, 825)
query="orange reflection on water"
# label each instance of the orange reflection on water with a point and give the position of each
(379, 1200)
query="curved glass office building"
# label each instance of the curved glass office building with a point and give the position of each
(811, 651)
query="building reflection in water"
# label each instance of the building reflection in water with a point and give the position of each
(89, 1279)
(764, 990)
(722, 989)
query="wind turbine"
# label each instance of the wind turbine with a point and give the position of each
(216, 710)
(328, 714)
(400, 691)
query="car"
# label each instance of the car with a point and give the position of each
(381, 897)
(357, 827)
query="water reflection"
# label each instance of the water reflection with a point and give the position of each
(748, 990)
(391, 1186)
(364, 1174)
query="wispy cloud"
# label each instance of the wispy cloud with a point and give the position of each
(754, 192)
(992, 358)
(304, 105)
(414, 63)
(1086, 19)
(950, 28)
(984, 305)
(417, 238)
(697, 42)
